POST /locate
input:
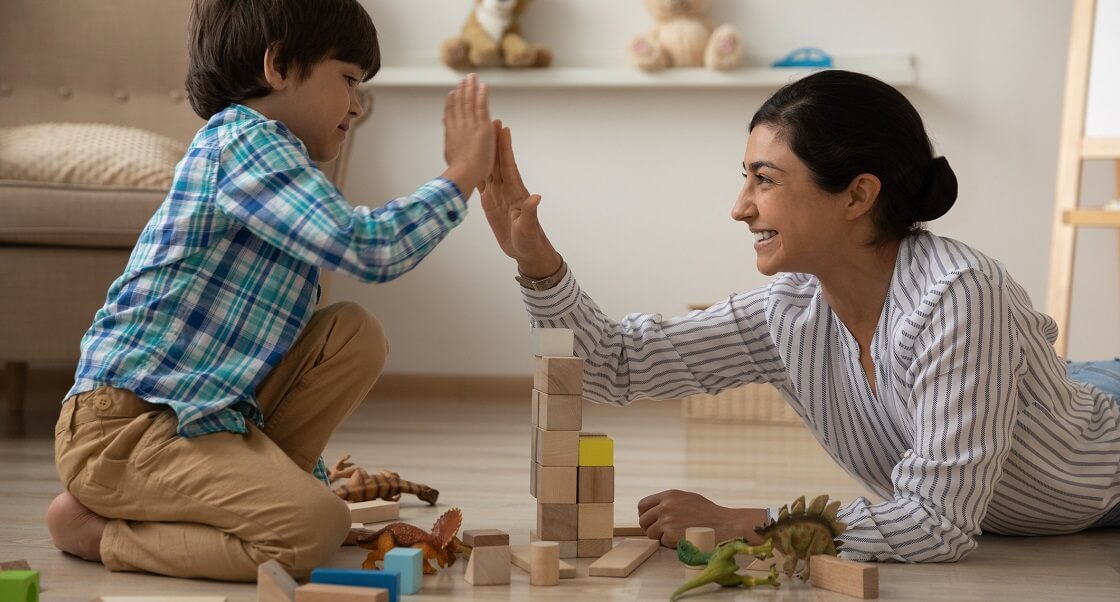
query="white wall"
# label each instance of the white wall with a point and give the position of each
(638, 184)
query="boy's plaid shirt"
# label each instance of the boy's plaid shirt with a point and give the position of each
(225, 275)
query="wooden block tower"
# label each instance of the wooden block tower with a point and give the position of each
(572, 473)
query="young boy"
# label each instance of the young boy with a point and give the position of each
(208, 385)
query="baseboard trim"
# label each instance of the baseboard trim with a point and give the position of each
(454, 386)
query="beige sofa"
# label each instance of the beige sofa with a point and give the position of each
(68, 219)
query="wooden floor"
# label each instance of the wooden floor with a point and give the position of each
(475, 451)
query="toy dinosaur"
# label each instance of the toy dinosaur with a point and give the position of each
(721, 565)
(360, 486)
(439, 546)
(799, 533)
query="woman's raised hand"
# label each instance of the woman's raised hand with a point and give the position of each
(512, 213)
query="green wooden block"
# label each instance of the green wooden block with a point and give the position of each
(19, 586)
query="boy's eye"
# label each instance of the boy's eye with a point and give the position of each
(351, 81)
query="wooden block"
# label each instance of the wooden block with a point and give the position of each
(568, 547)
(556, 484)
(563, 375)
(481, 538)
(544, 563)
(322, 592)
(595, 521)
(489, 565)
(595, 449)
(15, 565)
(557, 522)
(623, 558)
(704, 538)
(534, 414)
(360, 578)
(593, 548)
(409, 562)
(374, 511)
(557, 448)
(629, 530)
(274, 584)
(19, 586)
(519, 556)
(558, 412)
(555, 342)
(856, 579)
(596, 485)
(533, 475)
(357, 525)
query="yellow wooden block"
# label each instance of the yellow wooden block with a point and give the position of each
(596, 450)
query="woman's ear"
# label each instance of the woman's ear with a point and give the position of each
(862, 194)
(275, 74)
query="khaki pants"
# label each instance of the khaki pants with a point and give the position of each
(218, 505)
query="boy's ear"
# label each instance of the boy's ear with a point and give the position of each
(275, 73)
(862, 194)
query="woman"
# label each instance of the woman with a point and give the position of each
(916, 361)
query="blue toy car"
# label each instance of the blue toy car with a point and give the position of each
(805, 57)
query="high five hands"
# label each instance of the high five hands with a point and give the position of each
(468, 141)
(512, 213)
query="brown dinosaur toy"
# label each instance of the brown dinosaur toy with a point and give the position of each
(799, 533)
(440, 545)
(361, 486)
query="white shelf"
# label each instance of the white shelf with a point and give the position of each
(895, 69)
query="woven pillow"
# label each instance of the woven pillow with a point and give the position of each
(88, 154)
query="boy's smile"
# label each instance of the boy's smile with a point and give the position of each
(318, 109)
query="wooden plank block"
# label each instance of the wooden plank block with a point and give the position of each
(374, 511)
(557, 522)
(596, 449)
(629, 530)
(623, 558)
(704, 538)
(481, 538)
(519, 556)
(856, 579)
(568, 547)
(563, 375)
(533, 476)
(556, 448)
(595, 521)
(555, 342)
(360, 578)
(558, 412)
(556, 484)
(274, 584)
(593, 548)
(596, 485)
(323, 592)
(544, 563)
(409, 562)
(15, 565)
(488, 565)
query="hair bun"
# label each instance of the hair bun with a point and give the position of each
(939, 191)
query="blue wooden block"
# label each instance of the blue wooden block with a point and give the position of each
(409, 562)
(361, 578)
(19, 586)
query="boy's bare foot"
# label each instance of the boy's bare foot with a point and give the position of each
(74, 528)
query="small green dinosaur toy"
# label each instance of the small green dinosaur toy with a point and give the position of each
(799, 533)
(721, 565)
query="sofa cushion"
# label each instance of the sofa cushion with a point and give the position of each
(81, 184)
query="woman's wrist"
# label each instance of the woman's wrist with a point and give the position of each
(536, 269)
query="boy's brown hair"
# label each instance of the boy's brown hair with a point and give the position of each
(227, 40)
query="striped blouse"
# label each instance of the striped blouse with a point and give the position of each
(974, 425)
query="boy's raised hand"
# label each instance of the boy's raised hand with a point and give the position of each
(468, 144)
(512, 213)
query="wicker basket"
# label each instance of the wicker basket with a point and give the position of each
(749, 403)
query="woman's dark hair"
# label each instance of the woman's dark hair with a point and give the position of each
(227, 40)
(843, 124)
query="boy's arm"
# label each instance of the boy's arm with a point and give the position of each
(268, 184)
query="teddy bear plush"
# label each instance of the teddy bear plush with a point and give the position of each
(492, 38)
(682, 37)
